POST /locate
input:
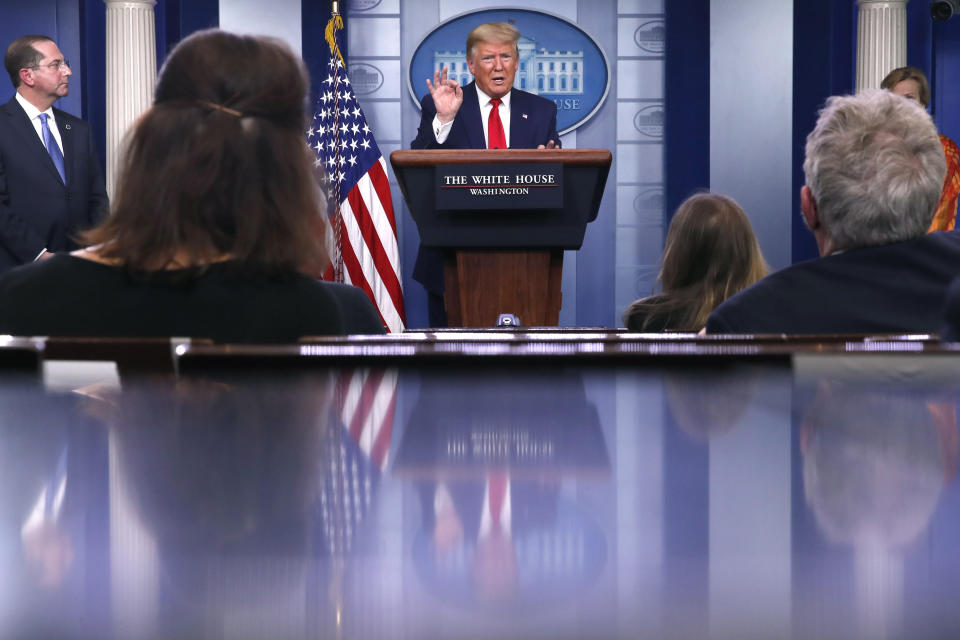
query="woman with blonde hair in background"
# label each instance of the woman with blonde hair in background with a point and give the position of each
(710, 254)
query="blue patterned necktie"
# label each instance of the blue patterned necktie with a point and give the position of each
(52, 147)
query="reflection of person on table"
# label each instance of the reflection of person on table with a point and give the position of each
(482, 518)
(875, 462)
(488, 113)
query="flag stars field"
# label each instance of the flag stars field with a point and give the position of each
(361, 232)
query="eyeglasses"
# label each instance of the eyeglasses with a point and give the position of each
(56, 65)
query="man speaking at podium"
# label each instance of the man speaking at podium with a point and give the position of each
(488, 113)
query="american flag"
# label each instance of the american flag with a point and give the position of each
(362, 232)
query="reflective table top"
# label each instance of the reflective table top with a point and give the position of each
(814, 496)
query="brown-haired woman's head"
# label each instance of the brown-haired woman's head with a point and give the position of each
(908, 82)
(217, 168)
(710, 254)
(711, 248)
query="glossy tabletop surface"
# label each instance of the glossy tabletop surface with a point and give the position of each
(813, 496)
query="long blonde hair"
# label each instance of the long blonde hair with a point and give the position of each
(710, 254)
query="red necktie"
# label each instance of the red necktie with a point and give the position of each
(495, 136)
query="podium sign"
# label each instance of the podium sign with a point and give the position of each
(501, 220)
(476, 187)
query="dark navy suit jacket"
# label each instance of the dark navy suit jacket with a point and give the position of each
(533, 121)
(893, 288)
(37, 210)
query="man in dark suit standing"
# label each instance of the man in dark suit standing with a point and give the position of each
(488, 113)
(874, 173)
(51, 185)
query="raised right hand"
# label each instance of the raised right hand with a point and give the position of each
(447, 95)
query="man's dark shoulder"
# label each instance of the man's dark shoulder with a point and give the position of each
(948, 239)
(751, 309)
(12, 106)
(11, 115)
(69, 118)
(860, 290)
(39, 281)
(42, 269)
(357, 313)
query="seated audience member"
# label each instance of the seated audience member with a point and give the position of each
(213, 229)
(910, 82)
(874, 170)
(710, 254)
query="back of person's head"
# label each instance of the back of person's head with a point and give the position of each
(493, 33)
(875, 166)
(218, 167)
(710, 254)
(900, 74)
(21, 55)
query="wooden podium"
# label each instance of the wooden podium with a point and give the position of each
(503, 260)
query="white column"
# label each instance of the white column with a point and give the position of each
(881, 40)
(131, 72)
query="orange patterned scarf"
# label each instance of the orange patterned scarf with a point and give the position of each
(946, 216)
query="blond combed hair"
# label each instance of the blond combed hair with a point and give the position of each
(495, 33)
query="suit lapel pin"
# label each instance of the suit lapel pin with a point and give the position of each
(67, 126)
(523, 115)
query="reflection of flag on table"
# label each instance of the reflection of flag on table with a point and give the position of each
(362, 236)
(366, 401)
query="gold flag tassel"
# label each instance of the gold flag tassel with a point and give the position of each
(330, 33)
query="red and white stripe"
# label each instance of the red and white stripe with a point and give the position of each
(368, 403)
(371, 255)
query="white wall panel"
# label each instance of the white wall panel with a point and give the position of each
(639, 79)
(635, 36)
(640, 205)
(640, 121)
(640, 6)
(277, 18)
(368, 7)
(374, 36)
(565, 8)
(639, 163)
(387, 79)
(383, 118)
(637, 243)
